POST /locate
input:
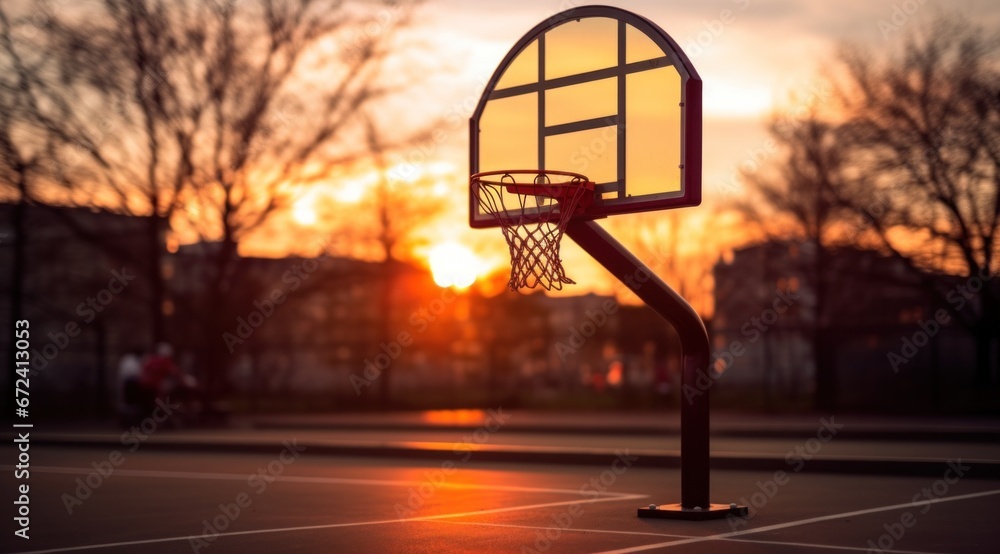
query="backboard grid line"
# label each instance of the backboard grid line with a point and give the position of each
(622, 107)
(541, 101)
(581, 78)
(587, 125)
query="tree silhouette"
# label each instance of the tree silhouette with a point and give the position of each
(397, 208)
(208, 118)
(924, 125)
(798, 197)
(662, 241)
(19, 164)
(908, 163)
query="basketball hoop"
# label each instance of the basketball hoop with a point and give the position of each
(533, 210)
(652, 127)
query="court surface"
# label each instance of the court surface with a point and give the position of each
(186, 502)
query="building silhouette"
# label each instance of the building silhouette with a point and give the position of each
(300, 332)
(768, 319)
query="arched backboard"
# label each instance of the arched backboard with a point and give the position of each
(600, 91)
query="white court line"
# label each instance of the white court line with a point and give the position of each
(566, 530)
(320, 480)
(338, 525)
(638, 533)
(591, 498)
(862, 457)
(800, 522)
(826, 546)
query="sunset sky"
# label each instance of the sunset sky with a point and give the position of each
(752, 58)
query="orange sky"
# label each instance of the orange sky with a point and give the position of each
(752, 56)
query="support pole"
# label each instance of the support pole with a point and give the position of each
(695, 347)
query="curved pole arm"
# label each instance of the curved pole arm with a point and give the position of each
(694, 344)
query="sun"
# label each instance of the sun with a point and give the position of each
(304, 212)
(454, 265)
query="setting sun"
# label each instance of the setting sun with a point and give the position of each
(454, 265)
(304, 212)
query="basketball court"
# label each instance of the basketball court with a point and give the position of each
(162, 501)
(596, 112)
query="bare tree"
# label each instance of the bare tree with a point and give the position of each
(798, 197)
(663, 242)
(26, 149)
(56, 120)
(401, 205)
(210, 117)
(398, 208)
(18, 165)
(924, 125)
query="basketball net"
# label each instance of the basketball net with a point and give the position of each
(533, 216)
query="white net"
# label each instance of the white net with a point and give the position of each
(533, 216)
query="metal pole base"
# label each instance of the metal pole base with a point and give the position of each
(695, 347)
(676, 511)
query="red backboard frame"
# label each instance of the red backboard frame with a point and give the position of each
(691, 118)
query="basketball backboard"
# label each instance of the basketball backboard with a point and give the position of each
(598, 91)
